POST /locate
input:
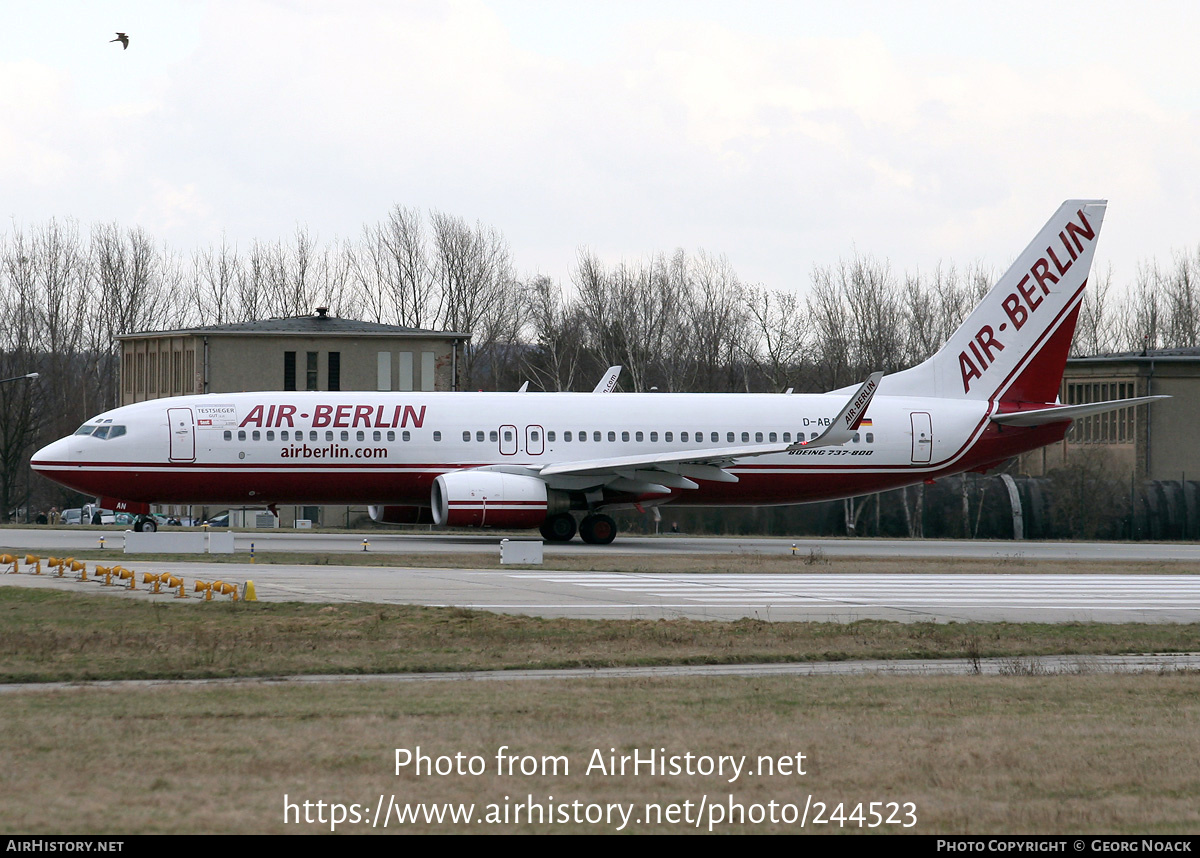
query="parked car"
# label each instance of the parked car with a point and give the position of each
(72, 516)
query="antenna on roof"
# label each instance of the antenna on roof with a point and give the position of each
(322, 312)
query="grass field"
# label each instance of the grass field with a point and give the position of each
(1065, 754)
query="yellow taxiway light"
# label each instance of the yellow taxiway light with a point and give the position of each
(107, 572)
(224, 588)
(127, 575)
(204, 587)
(9, 560)
(35, 562)
(173, 582)
(155, 579)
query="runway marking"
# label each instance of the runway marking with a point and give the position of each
(915, 593)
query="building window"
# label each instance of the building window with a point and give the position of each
(311, 371)
(1112, 427)
(289, 370)
(335, 370)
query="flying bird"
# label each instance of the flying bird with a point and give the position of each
(123, 39)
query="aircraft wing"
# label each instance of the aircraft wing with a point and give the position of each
(655, 472)
(1059, 413)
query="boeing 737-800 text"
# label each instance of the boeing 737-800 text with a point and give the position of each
(562, 461)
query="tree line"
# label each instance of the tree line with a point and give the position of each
(677, 321)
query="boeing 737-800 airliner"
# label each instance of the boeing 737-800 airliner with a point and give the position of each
(562, 461)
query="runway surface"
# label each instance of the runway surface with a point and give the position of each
(388, 542)
(779, 597)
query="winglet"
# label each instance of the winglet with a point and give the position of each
(844, 426)
(609, 382)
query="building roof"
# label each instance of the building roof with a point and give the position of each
(1145, 356)
(320, 324)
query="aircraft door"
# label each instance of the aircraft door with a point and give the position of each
(508, 440)
(922, 433)
(183, 436)
(535, 440)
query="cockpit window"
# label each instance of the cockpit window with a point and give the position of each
(101, 432)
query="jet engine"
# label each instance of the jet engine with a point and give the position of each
(400, 514)
(493, 499)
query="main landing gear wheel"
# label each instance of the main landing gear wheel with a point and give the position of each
(598, 529)
(558, 528)
(145, 525)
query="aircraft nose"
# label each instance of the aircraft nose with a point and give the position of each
(56, 452)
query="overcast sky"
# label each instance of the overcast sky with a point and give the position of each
(781, 134)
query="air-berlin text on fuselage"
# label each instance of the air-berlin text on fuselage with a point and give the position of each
(336, 416)
(1026, 299)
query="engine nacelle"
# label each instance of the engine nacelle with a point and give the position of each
(400, 514)
(493, 499)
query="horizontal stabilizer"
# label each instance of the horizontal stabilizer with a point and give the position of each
(1059, 413)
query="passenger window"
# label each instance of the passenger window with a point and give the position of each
(595, 436)
(533, 436)
(639, 436)
(870, 437)
(360, 435)
(787, 436)
(612, 436)
(653, 436)
(507, 435)
(683, 436)
(582, 436)
(745, 437)
(437, 435)
(466, 435)
(758, 436)
(567, 435)
(346, 435)
(668, 436)
(716, 438)
(479, 435)
(624, 436)
(328, 434)
(494, 435)
(228, 435)
(550, 436)
(376, 436)
(772, 437)
(312, 434)
(856, 438)
(255, 436)
(270, 434)
(729, 438)
(242, 435)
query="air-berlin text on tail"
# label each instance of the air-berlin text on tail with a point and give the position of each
(335, 416)
(1028, 297)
